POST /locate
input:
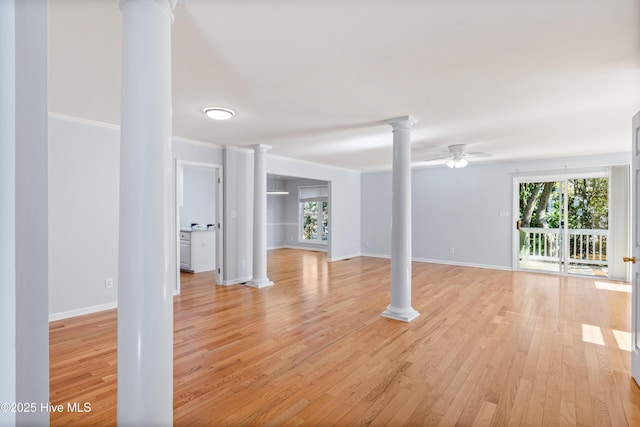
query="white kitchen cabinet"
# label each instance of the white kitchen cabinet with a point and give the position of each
(197, 250)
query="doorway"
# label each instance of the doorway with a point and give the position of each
(563, 224)
(198, 219)
(298, 213)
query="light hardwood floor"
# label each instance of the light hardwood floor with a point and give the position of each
(489, 348)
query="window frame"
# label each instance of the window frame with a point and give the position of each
(321, 199)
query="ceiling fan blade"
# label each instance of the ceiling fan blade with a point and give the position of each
(429, 150)
(475, 154)
(432, 158)
(455, 150)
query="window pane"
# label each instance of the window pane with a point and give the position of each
(325, 220)
(309, 220)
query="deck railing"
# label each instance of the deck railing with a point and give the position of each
(585, 246)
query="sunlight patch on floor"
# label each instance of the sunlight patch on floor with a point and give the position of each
(623, 339)
(619, 287)
(592, 334)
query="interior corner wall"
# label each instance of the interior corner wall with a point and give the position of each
(83, 216)
(238, 216)
(344, 207)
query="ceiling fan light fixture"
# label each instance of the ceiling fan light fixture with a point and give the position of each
(457, 163)
(219, 113)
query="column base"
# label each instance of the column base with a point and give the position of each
(403, 315)
(259, 283)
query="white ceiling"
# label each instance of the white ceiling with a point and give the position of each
(316, 79)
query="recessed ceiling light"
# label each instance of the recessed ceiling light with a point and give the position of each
(219, 113)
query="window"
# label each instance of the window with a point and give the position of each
(314, 214)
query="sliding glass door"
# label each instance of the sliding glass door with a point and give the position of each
(563, 225)
(540, 226)
(588, 225)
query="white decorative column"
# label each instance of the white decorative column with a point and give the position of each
(260, 279)
(24, 248)
(400, 307)
(145, 304)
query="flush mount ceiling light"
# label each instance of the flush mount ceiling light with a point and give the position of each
(219, 113)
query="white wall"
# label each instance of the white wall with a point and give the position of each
(83, 205)
(459, 209)
(195, 151)
(276, 237)
(462, 212)
(83, 220)
(238, 215)
(83, 215)
(376, 224)
(198, 196)
(344, 204)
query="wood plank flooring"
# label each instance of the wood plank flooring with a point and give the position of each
(489, 348)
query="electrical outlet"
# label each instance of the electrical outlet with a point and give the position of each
(108, 283)
(243, 264)
(452, 250)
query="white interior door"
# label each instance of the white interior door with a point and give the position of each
(635, 246)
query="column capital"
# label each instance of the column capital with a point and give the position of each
(261, 148)
(402, 122)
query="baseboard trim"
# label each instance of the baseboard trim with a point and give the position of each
(446, 262)
(235, 281)
(463, 264)
(343, 257)
(82, 311)
(303, 248)
(375, 255)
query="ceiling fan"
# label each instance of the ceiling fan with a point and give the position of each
(456, 154)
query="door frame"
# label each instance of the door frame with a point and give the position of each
(635, 248)
(218, 187)
(561, 176)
